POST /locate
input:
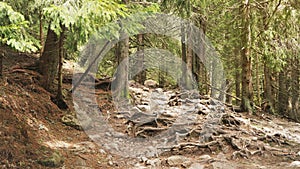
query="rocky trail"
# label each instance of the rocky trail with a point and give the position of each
(186, 130)
(159, 129)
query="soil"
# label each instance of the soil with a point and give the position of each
(33, 134)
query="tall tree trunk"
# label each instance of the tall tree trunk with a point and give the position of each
(247, 91)
(41, 32)
(59, 96)
(268, 96)
(257, 83)
(295, 89)
(213, 78)
(1, 62)
(183, 55)
(121, 82)
(237, 76)
(228, 90)
(48, 62)
(141, 76)
(282, 93)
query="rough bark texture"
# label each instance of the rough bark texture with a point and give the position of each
(268, 94)
(183, 55)
(120, 88)
(237, 77)
(282, 93)
(59, 96)
(1, 62)
(41, 32)
(247, 91)
(48, 62)
(295, 89)
(141, 76)
(189, 63)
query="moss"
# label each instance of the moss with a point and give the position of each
(55, 160)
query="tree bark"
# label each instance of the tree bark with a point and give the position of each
(268, 96)
(1, 63)
(295, 89)
(282, 93)
(48, 62)
(120, 89)
(41, 32)
(141, 76)
(247, 90)
(183, 55)
(189, 65)
(59, 96)
(237, 76)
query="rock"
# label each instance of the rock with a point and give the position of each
(146, 89)
(159, 90)
(222, 165)
(150, 83)
(205, 157)
(177, 160)
(79, 162)
(298, 153)
(71, 121)
(154, 162)
(55, 160)
(196, 166)
(143, 108)
(143, 159)
(295, 164)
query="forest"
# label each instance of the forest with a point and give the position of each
(182, 83)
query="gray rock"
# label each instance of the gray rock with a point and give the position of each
(154, 162)
(196, 166)
(177, 160)
(79, 162)
(295, 164)
(146, 89)
(150, 83)
(144, 108)
(205, 157)
(298, 153)
(159, 90)
(222, 165)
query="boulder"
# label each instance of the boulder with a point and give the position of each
(150, 83)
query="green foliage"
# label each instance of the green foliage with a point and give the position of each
(13, 30)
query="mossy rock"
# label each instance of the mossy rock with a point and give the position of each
(55, 160)
(71, 121)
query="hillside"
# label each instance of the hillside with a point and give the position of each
(35, 133)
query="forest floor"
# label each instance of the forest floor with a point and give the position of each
(35, 133)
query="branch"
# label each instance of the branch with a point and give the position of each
(269, 20)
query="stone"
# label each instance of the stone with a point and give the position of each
(146, 89)
(177, 160)
(79, 162)
(196, 166)
(295, 164)
(150, 83)
(222, 165)
(298, 153)
(154, 162)
(71, 121)
(205, 157)
(143, 108)
(55, 160)
(159, 90)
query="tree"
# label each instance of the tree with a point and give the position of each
(13, 32)
(247, 90)
(71, 16)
